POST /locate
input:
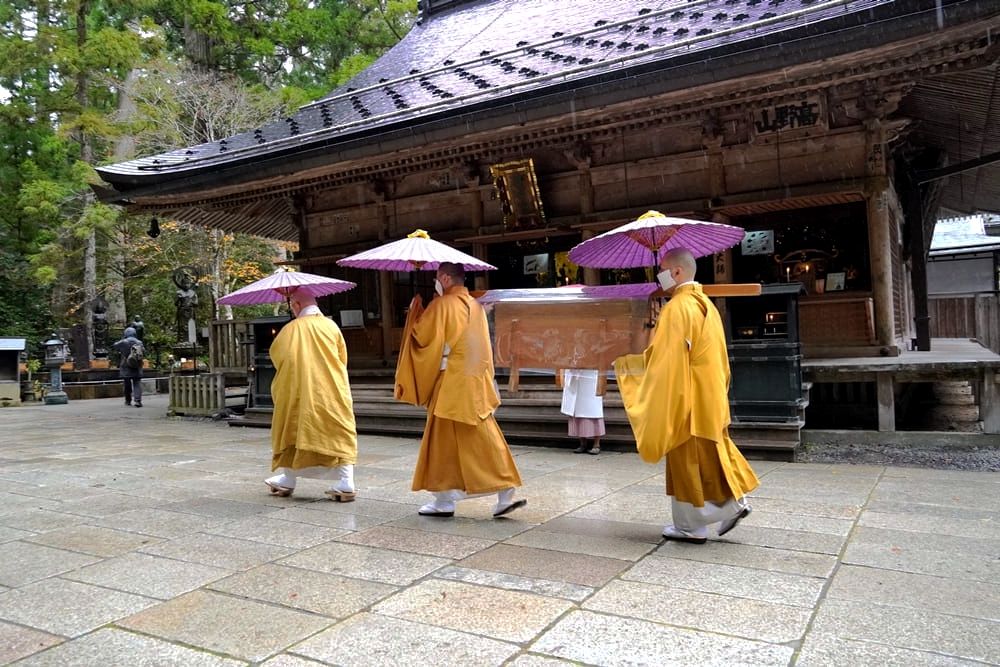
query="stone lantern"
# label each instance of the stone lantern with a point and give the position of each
(55, 357)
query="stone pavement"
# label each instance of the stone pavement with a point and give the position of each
(130, 538)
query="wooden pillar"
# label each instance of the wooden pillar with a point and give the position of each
(884, 384)
(591, 276)
(388, 306)
(479, 250)
(913, 209)
(989, 401)
(880, 239)
(386, 289)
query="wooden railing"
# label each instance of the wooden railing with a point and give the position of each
(229, 360)
(228, 351)
(197, 394)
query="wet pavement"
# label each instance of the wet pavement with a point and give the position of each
(131, 538)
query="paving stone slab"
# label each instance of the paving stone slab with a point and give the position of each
(220, 508)
(12, 534)
(612, 641)
(970, 527)
(708, 612)
(239, 628)
(777, 538)
(158, 522)
(94, 540)
(68, 608)
(116, 647)
(372, 640)
(914, 540)
(506, 615)
(955, 566)
(285, 660)
(921, 630)
(352, 560)
(782, 506)
(916, 591)
(775, 587)
(21, 498)
(540, 661)
(41, 520)
(17, 641)
(653, 509)
(949, 511)
(805, 524)
(23, 562)
(823, 650)
(970, 493)
(431, 544)
(555, 589)
(218, 551)
(366, 507)
(305, 515)
(289, 534)
(607, 547)
(152, 576)
(758, 558)
(635, 532)
(495, 531)
(318, 592)
(579, 569)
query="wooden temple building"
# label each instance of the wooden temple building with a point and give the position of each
(834, 132)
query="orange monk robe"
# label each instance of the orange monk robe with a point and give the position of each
(313, 422)
(462, 447)
(676, 395)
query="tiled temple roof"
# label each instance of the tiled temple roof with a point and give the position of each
(965, 234)
(487, 54)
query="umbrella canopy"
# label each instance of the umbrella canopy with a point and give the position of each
(641, 243)
(416, 251)
(280, 286)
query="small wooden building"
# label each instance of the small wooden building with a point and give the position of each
(963, 279)
(833, 132)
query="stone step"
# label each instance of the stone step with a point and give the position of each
(532, 416)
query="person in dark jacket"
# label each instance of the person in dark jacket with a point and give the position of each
(131, 377)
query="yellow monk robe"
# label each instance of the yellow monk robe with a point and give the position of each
(313, 422)
(676, 395)
(462, 447)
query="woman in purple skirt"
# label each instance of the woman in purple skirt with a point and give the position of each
(584, 408)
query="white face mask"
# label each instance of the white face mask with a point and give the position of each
(666, 280)
(438, 287)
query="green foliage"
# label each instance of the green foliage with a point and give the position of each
(196, 70)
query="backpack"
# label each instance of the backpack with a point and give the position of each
(135, 356)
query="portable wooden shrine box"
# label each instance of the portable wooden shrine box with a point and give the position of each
(568, 333)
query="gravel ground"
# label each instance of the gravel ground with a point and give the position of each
(950, 408)
(986, 459)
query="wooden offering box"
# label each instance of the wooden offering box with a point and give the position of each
(568, 333)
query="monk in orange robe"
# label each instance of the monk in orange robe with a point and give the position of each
(676, 395)
(312, 430)
(446, 364)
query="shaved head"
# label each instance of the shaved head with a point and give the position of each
(300, 300)
(680, 258)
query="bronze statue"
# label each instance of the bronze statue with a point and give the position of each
(186, 277)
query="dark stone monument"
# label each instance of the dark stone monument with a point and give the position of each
(100, 326)
(81, 356)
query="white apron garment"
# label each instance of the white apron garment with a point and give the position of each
(579, 398)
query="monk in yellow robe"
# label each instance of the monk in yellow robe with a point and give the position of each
(676, 395)
(446, 364)
(312, 431)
